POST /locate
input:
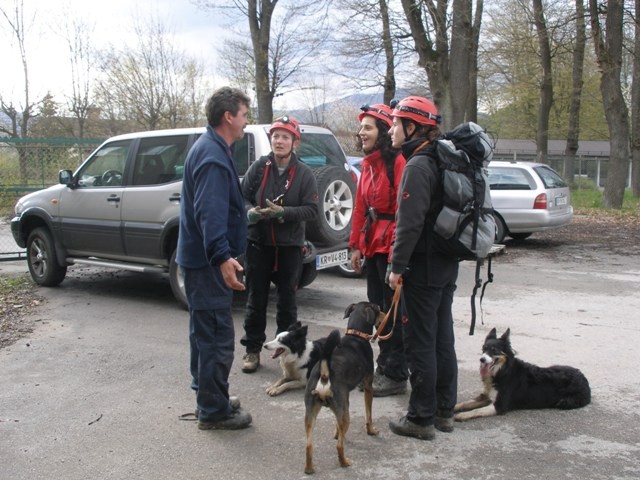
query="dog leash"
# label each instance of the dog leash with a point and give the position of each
(393, 307)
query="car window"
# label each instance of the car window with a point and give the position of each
(106, 166)
(160, 160)
(243, 153)
(319, 150)
(550, 178)
(510, 178)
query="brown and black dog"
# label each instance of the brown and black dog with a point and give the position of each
(346, 361)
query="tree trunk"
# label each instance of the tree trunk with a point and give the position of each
(573, 132)
(608, 48)
(390, 76)
(546, 85)
(460, 68)
(434, 55)
(260, 27)
(472, 103)
(635, 110)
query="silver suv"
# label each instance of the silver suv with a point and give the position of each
(120, 208)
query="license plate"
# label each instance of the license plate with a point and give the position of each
(331, 259)
(561, 201)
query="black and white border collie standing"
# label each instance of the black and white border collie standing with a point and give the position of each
(520, 385)
(297, 357)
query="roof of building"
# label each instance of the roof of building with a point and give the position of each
(588, 148)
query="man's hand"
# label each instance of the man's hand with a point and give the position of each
(356, 261)
(253, 215)
(272, 210)
(228, 268)
(395, 279)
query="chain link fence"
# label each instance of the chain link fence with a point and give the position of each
(27, 165)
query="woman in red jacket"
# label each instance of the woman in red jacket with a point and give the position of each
(372, 233)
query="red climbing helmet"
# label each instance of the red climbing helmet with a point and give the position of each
(379, 110)
(286, 123)
(417, 109)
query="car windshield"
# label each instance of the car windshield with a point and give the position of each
(550, 178)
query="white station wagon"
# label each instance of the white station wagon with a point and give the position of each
(528, 197)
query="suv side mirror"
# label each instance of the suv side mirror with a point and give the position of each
(65, 177)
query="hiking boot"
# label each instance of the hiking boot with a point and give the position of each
(407, 428)
(250, 362)
(234, 403)
(384, 386)
(237, 420)
(444, 424)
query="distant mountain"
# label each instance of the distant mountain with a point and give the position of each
(356, 99)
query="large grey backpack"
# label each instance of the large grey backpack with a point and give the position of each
(465, 227)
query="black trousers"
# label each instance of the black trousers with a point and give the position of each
(430, 344)
(391, 360)
(263, 264)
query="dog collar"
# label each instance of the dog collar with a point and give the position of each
(351, 331)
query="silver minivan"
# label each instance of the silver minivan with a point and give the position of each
(527, 197)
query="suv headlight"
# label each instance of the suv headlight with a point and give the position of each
(19, 208)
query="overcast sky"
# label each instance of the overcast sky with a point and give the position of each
(197, 32)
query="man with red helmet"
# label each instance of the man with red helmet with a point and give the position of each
(428, 278)
(373, 226)
(281, 195)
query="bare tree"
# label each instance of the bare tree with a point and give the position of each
(370, 39)
(449, 81)
(21, 116)
(78, 38)
(608, 47)
(238, 64)
(573, 133)
(277, 59)
(151, 84)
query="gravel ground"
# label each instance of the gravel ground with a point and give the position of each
(578, 241)
(16, 305)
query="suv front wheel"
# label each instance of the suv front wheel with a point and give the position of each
(43, 260)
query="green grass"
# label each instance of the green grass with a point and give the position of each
(590, 201)
(10, 284)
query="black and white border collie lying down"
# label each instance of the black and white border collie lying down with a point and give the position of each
(521, 385)
(297, 357)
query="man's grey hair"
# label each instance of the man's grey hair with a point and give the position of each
(225, 99)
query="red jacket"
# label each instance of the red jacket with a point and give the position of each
(374, 190)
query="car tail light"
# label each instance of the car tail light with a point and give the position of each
(540, 203)
(354, 176)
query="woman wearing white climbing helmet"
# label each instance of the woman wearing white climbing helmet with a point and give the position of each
(373, 227)
(428, 278)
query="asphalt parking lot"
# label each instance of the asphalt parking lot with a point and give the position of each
(96, 390)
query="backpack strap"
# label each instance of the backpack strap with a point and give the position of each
(477, 285)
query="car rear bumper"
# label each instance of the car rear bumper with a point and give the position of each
(525, 221)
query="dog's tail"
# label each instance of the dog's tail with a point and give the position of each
(323, 387)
